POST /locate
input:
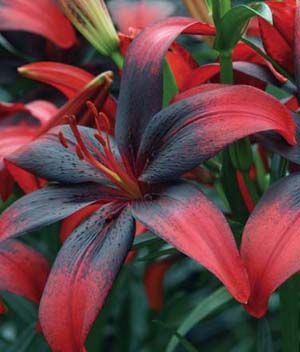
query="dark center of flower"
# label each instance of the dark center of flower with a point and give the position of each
(103, 160)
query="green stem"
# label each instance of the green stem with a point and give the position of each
(226, 67)
(278, 167)
(225, 5)
(118, 59)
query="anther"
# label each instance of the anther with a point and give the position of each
(92, 108)
(105, 120)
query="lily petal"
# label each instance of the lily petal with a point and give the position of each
(297, 48)
(244, 73)
(96, 91)
(69, 224)
(66, 78)
(278, 39)
(82, 277)
(49, 159)
(138, 101)
(23, 270)
(185, 218)
(195, 129)
(154, 282)
(277, 144)
(42, 17)
(48, 205)
(270, 244)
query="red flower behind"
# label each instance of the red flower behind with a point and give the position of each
(42, 17)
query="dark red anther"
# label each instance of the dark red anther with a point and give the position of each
(103, 117)
(92, 108)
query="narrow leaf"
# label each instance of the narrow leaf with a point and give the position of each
(234, 22)
(204, 308)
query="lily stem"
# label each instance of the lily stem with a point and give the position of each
(225, 5)
(226, 67)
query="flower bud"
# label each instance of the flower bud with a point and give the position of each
(93, 21)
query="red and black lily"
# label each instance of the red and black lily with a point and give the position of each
(136, 176)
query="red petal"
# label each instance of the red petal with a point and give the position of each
(66, 78)
(27, 181)
(139, 101)
(42, 17)
(23, 270)
(141, 14)
(194, 129)
(297, 47)
(243, 52)
(7, 109)
(82, 277)
(6, 183)
(96, 91)
(181, 63)
(69, 224)
(2, 307)
(278, 39)
(154, 282)
(184, 217)
(271, 242)
(42, 110)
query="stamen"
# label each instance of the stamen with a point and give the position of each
(63, 139)
(92, 108)
(100, 139)
(83, 152)
(79, 152)
(108, 164)
(103, 117)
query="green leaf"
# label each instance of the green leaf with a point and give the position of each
(264, 337)
(289, 315)
(231, 189)
(26, 310)
(24, 341)
(204, 308)
(234, 22)
(4, 43)
(184, 342)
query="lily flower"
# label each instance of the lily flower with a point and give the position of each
(136, 177)
(41, 17)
